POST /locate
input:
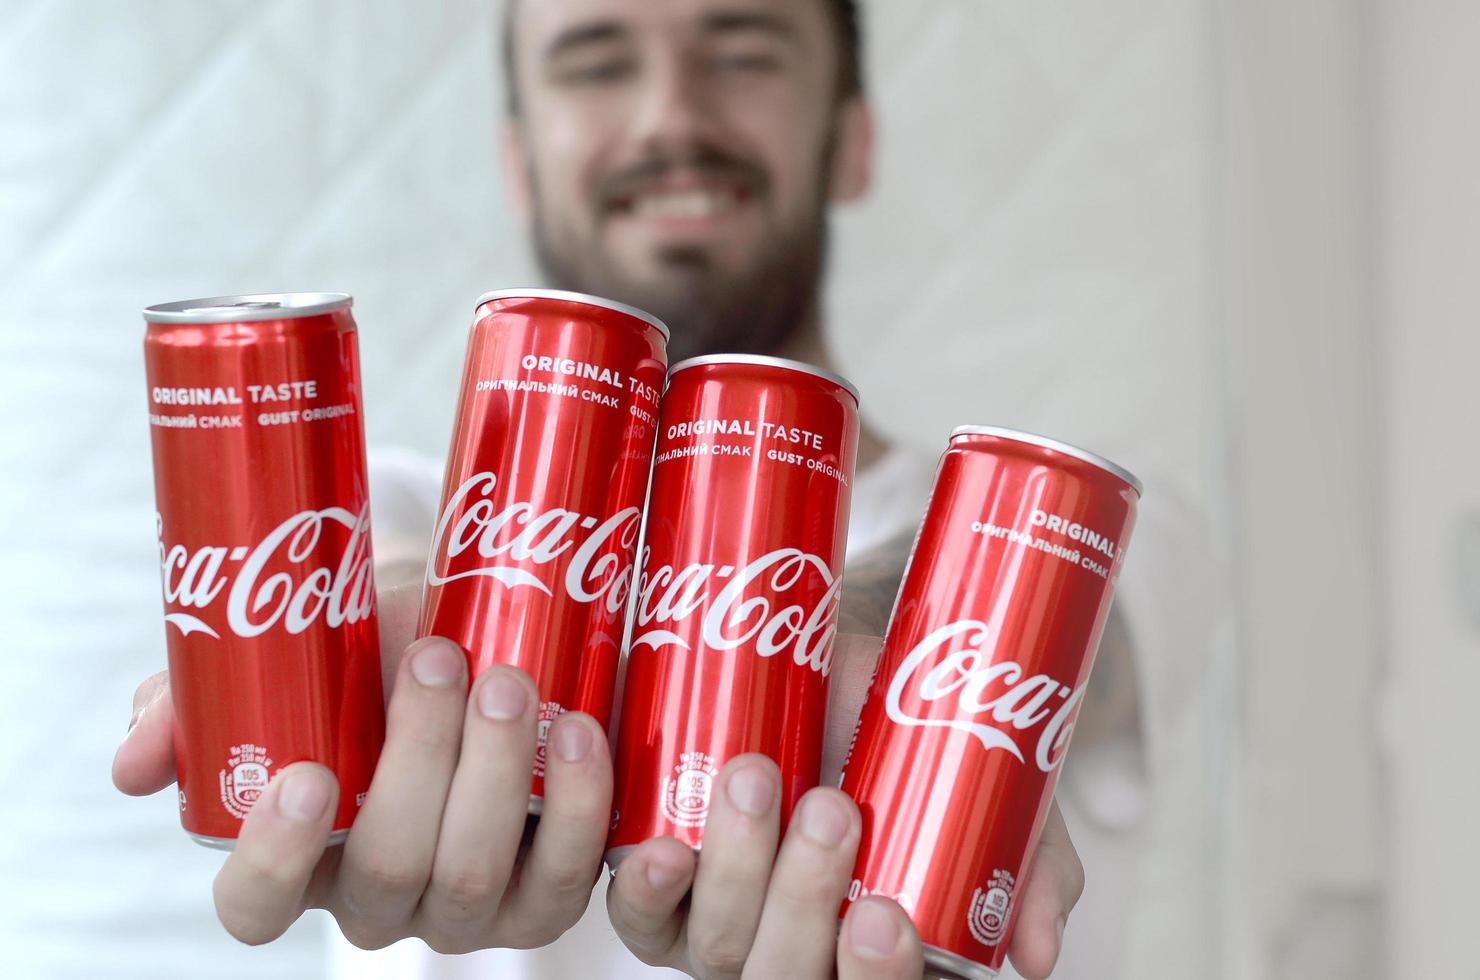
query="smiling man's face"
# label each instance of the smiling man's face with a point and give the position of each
(679, 155)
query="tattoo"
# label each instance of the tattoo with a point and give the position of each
(870, 585)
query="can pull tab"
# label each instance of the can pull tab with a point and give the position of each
(1467, 567)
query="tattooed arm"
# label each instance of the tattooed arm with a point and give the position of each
(870, 583)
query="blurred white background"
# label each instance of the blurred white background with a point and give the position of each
(1226, 244)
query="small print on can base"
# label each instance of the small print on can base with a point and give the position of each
(1007, 593)
(736, 608)
(269, 592)
(532, 555)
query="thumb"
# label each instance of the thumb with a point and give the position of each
(145, 761)
(1055, 882)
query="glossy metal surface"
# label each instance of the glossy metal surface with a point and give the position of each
(259, 473)
(983, 669)
(531, 560)
(767, 360)
(732, 634)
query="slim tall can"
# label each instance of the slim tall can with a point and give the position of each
(736, 610)
(264, 546)
(974, 697)
(531, 560)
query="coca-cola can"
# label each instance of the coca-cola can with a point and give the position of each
(973, 699)
(264, 548)
(736, 611)
(531, 562)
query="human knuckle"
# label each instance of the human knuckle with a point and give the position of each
(243, 926)
(529, 930)
(1075, 875)
(394, 877)
(466, 889)
(569, 881)
(719, 956)
(449, 943)
(149, 687)
(362, 934)
(258, 871)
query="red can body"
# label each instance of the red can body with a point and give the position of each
(532, 559)
(975, 694)
(733, 627)
(264, 545)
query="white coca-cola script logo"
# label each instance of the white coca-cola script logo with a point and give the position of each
(257, 600)
(956, 661)
(521, 534)
(669, 595)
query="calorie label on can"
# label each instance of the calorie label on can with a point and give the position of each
(264, 546)
(979, 683)
(532, 556)
(736, 611)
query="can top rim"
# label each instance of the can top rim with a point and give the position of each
(574, 297)
(765, 360)
(247, 307)
(1033, 439)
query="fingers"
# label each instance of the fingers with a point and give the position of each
(735, 866)
(483, 821)
(260, 889)
(558, 874)
(878, 942)
(145, 760)
(1055, 882)
(799, 924)
(388, 855)
(644, 900)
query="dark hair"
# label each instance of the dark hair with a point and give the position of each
(844, 14)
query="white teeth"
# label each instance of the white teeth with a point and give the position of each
(680, 204)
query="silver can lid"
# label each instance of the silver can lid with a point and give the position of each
(766, 360)
(1033, 439)
(248, 308)
(572, 297)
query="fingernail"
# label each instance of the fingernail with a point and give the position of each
(304, 797)
(502, 698)
(661, 878)
(1058, 928)
(572, 741)
(872, 932)
(823, 820)
(752, 790)
(134, 721)
(437, 665)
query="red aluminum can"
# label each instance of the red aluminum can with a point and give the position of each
(532, 558)
(264, 547)
(975, 694)
(732, 634)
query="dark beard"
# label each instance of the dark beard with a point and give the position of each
(754, 312)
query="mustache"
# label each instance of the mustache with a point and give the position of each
(707, 161)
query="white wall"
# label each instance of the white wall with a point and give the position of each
(1429, 206)
(1296, 291)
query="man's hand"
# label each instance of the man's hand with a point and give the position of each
(436, 850)
(754, 911)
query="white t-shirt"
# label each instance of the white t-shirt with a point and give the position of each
(1101, 800)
